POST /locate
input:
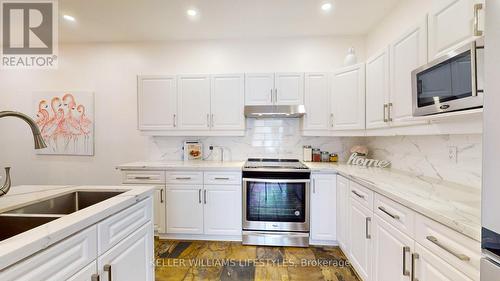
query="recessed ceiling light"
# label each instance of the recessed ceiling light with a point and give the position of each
(326, 7)
(192, 12)
(69, 18)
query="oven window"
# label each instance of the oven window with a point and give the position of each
(444, 82)
(276, 202)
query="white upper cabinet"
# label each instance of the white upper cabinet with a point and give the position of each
(289, 89)
(194, 102)
(157, 102)
(377, 90)
(227, 102)
(259, 88)
(323, 208)
(348, 98)
(452, 22)
(407, 53)
(317, 96)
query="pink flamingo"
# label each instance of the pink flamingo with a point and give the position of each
(50, 130)
(70, 125)
(85, 125)
(43, 114)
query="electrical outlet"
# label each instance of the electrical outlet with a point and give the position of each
(452, 154)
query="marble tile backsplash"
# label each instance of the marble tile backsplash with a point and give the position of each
(429, 156)
(264, 138)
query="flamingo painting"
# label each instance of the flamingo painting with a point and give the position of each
(66, 122)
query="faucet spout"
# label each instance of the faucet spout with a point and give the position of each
(37, 135)
(6, 186)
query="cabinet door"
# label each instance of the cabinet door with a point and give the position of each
(227, 102)
(194, 102)
(184, 209)
(289, 89)
(343, 213)
(323, 208)
(317, 97)
(377, 90)
(86, 273)
(360, 239)
(222, 214)
(259, 88)
(348, 98)
(391, 252)
(451, 22)
(407, 53)
(159, 209)
(429, 267)
(157, 102)
(131, 259)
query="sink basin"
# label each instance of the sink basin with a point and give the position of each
(12, 225)
(65, 204)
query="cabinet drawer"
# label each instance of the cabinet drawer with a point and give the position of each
(222, 178)
(396, 214)
(460, 251)
(117, 227)
(184, 177)
(362, 194)
(147, 177)
(58, 262)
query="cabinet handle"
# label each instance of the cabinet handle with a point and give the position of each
(208, 120)
(175, 120)
(367, 232)
(331, 120)
(314, 186)
(406, 250)
(414, 257)
(183, 178)
(276, 95)
(386, 106)
(435, 241)
(389, 111)
(212, 119)
(107, 267)
(142, 178)
(272, 96)
(396, 217)
(199, 196)
(94, 277)
(222, 179)
(205, 196)
(161, 195)
(357, 194)
(477, 7)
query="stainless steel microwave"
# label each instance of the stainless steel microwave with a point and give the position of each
(452, 82)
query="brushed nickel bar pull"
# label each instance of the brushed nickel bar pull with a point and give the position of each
(222, 179)
(396, 217)
(436, 242)
(389, 111)
(161, 195)
(367, 222)
(357, 194)
(414, 257)
(406, 250)
(477, 7)
(142, 178)
(272, 96)
(314, 186)
(212, 119)
(175, 120)
(199, 196)
(183, 178)
(107, 267)
(208, 120)
(331, 120)
(205, 196)
(94, 277)
(276, 95)
(386, 106)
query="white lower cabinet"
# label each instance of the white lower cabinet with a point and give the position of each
(323, 208)
(429, 267)
(131, 259)
(343, 213)
(222, 210)
(184, 209)
(361, 253)
(83, 275)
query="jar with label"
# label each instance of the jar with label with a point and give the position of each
(307, 153)
(334, 157)
(325, 156)
(316, 155)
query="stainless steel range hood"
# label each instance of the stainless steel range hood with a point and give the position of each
(275, 111)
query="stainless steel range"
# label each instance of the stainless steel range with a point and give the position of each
(276, 202)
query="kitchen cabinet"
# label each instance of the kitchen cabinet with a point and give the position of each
(289, 88)
(227, 102)
(348, 98)
(90, 271)
(184, 209)
(222, 209)
(194, 102)
(274, 88)
(259, 88)
(317, 97)
(157, 102)
(323, 207)
(377, 90)
(343, 213)
(407, 53)
(130, 259)
(451, 23)
(360, 239)
(391, 252)
(159, 209)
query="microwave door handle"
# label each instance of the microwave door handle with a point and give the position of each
(473, 68)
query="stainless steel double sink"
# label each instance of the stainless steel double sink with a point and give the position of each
(22, 219)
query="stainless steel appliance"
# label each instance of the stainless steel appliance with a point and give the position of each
(276, 202)
(490, 207)
(275, 111)
(451, 83)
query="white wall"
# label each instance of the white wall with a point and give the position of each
(110, 71)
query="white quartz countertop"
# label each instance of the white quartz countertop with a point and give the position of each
(454, 205)
(183, 165)
(27, 243)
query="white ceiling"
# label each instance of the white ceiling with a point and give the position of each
(154, 20)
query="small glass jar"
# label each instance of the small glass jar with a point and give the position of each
(325, 156)
(334, 157)
(316, 155)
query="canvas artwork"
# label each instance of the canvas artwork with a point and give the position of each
(66, 120)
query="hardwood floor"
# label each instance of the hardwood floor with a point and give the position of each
(228, 261)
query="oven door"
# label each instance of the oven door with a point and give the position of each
(276, 204)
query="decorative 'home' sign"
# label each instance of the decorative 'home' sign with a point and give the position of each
(354, 159)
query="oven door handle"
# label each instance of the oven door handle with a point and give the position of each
(276, 180)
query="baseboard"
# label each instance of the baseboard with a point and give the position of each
(323, 243)
(201, 237)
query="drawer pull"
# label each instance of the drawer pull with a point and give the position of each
(436, 242)
(414, 257)
(226, 179)
(205, 196)
(161, 195)
(94, 277)
(357, 194)
(142, 178)
(107, 267)
(396, 217)
(199, 196)
(367, 232)
(183, 178)
(406, 250)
